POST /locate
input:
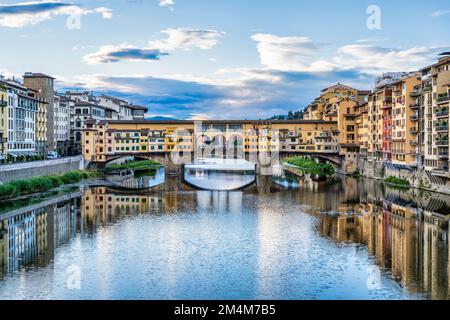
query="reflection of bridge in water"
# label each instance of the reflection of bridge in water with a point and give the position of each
(219, 174)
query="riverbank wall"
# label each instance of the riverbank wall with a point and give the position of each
(17, 171)
(418, 178)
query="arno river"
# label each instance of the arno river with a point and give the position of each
(347, 239)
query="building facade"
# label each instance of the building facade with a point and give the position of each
(44, 86)
(105, 139)
(435, 102)
(61, 125)
(22, 107)
(405, 121)
(3, 121)
(41, 128)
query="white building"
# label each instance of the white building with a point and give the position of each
(124, 110)
(61, 124)
(22, 108)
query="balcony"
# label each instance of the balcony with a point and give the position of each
(414, 118)
(415, 106)
(324, 137)
(427, 88)
(414, 130)
(442, 128)
(414, 143)
(442, 143)
(416, 93)
(443, 155)
(443, 98)
(442, 113)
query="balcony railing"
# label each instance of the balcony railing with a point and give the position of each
(415, 106)
(442, 113)
(442, 143)
(414, 130)
(427, 88)
(443, 97)
(442, 128)
(443, 155)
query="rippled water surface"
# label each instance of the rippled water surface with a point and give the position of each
(347, 239)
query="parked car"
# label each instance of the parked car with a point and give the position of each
(52, 155)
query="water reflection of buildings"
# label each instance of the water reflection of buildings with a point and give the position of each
(408, 240)
(30, 235)
(405, 232)
(103, 205)
(22, 238)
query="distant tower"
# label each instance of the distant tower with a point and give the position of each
(45, 86)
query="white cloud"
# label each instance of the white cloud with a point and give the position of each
(187, 39)
(372, 40)
(178, 39)
(167, 3)
(5, 72)
(300, 54)
(105, 12)
(230, 93)
(199, 116)
(375, 59)
(285, 53)
(24, 14)
(440, 13)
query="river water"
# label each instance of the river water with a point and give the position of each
(346, 239)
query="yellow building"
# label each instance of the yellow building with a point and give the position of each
(341, 104)
(347, 115)
(404, 120)
(375, 116)
(41, 127)
(435, 102)
(325, 106)
(362, 125)
(104, 140)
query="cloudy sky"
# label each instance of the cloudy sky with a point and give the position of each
(219, 58)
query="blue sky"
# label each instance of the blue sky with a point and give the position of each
(218, 58)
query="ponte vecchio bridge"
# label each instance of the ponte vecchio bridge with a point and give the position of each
(175, 143)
